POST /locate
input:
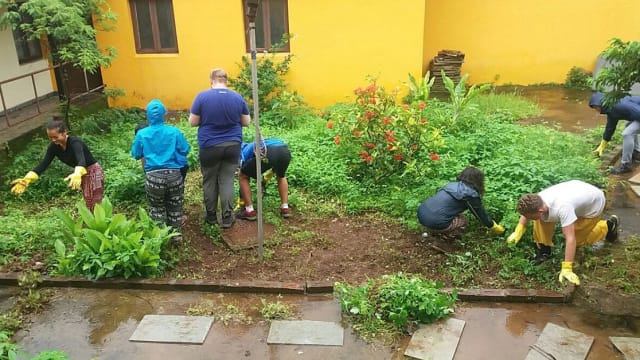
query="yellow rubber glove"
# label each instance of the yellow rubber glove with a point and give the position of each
(75, 179)
(516, 235)
(20, 185)
(267, 176)
(567, 273)
(497, 228)
(600, 149)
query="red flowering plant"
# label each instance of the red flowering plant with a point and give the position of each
(381, 138)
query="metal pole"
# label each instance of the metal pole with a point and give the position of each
(252, 9)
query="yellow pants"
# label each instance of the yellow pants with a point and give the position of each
(588, 231)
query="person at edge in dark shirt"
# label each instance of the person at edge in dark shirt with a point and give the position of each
(87, 174)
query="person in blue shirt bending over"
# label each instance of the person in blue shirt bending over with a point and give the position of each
(276, 156)
(628, 108)
(165, 150)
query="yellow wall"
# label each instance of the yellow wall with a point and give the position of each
(206, 39)
(337, 44)
(525, 41)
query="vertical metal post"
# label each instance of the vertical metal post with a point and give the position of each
(4, 107)
(252, 6)
(35, 93)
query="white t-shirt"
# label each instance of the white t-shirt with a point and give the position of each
(571, 200)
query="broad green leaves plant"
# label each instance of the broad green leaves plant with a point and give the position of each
(399, 299)
(110, 245)
(419, 90)
(459, 95)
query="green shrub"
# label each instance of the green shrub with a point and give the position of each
(381, 139)
(399, 299)
(109, 245)
(578, 78)
(271, 72)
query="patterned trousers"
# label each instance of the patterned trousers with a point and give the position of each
(454, 230)
(93, 185)
(165, 193)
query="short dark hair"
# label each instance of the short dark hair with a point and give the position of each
(474, 177)
(529, 204)
(56, 124)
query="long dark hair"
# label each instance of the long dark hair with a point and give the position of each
(474, 177)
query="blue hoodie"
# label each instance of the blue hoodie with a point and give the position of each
(626, 109)
(162, 146)
(438, 211)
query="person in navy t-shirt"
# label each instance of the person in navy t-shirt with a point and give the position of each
(220, 114)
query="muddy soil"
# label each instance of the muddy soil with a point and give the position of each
(315, 249)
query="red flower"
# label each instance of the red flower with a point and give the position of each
(368, 145)
(422, 105)
(398, 157)
(357, 133)
(369, 115)
(434, 156)
(358, 91)
(372, 101)
(361, 101)
(389, 147)
(423, 121)
(391, 139)
(405, 106)
(336, 139)
(372, 88)
(386, 120)
(330, 124)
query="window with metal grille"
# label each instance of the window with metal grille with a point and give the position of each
(271, 24)
(154, 26)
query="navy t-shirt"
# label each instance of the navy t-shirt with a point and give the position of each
(220, 112)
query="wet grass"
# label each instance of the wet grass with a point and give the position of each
(615, 266)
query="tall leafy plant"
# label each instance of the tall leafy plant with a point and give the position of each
(68, 25)
(419, 90)
(459, 95)
(270, 71)
(623, 72)
(110, 245)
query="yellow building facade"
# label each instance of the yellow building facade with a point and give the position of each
(337, 44)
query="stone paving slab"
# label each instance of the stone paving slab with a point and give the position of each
(177, 329)
(557, 342)
(636, 189)
(305, 332)
(635, 179)
(437, 341)
(628, 346)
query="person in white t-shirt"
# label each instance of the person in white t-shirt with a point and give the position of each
(577, 206)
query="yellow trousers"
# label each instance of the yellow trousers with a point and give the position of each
(588, 231)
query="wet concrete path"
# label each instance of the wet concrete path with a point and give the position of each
(89, 324)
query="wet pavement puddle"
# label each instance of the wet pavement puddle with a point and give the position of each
(89, 323)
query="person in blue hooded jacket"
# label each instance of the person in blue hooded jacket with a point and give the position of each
(442, 214)
(626, 109)
(165, 150)
(275, 156)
